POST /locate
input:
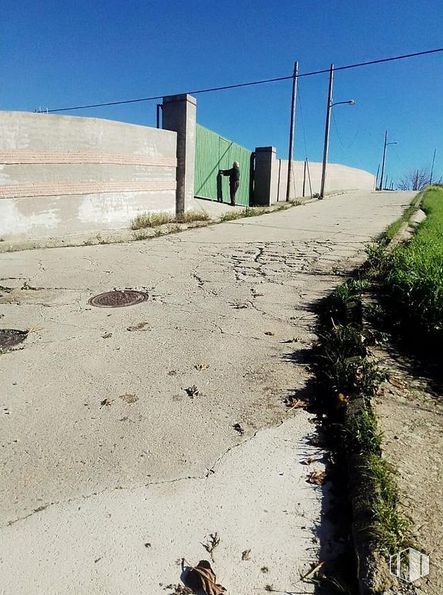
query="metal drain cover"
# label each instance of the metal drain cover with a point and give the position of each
(118, 299)
(10, 337)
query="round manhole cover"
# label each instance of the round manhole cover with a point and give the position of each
(10, 337)
(118, 299)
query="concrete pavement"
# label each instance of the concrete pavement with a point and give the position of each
(111, 472)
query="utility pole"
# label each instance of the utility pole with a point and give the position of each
(305, 165)
(292, 127)
(432, 167)
(376, 177)
(383, 160)
(327, 127)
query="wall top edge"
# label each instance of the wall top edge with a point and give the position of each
(183, 97)
(10, 115)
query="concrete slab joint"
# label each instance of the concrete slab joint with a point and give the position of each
(179, 115)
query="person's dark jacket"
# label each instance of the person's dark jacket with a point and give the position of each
(233, 173)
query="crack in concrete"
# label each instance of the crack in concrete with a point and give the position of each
(208, 473)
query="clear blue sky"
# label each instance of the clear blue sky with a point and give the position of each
(56, 53)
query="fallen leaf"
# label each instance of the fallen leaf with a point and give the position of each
(106, 335)
(239, 429)
(105, 403)
(141, 326)
(128, 398)
(201, 578)
(246, 555)
(296, 404)
(202, 366)
(269, 333)
(192, 391)
(317, 477)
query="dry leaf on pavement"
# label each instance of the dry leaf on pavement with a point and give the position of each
(317, 477)
(201, 578)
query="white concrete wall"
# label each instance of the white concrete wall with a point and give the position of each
(64, 175)
(338, 177)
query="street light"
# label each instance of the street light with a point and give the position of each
(384, 158)
(330, 105)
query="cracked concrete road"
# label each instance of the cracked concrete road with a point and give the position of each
(110, 471)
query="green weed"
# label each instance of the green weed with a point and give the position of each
(413, 273)
(388, 525)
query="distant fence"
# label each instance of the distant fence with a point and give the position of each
(212, 153)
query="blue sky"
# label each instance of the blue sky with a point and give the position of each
(56, 53)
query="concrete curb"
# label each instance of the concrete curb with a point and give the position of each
(373, 573)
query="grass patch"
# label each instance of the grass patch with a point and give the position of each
(143, 220)
(230, 216)
(394, 228)
(412, 274)
(350, 379)
(389, 527)
(246, 212)
(191, 216)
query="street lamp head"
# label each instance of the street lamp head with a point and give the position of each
(348, 102)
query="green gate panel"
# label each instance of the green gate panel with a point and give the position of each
(212, 153)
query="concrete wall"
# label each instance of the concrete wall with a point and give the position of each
(338, 177)
(64, 175)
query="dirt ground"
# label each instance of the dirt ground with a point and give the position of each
(410, 414)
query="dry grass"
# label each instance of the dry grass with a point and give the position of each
(143, 220)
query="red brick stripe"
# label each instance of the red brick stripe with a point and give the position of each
(88, 187)
(74, 157)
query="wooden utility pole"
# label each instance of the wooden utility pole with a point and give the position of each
(327, 127)
(292, 128)
(432, 167)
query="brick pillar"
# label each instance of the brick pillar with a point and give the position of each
(266, 176)
(179, 115)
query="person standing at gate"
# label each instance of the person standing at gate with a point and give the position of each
(234, 179)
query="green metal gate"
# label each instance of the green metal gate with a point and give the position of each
(212, 153)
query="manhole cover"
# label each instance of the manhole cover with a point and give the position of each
(10, 337)
(118, 299)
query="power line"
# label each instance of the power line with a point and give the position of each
(247, 84)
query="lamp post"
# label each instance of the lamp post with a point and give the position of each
(384, 158)
(330, 105)
(292, 128)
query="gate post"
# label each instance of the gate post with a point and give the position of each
(266, 176)
(179, 115)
